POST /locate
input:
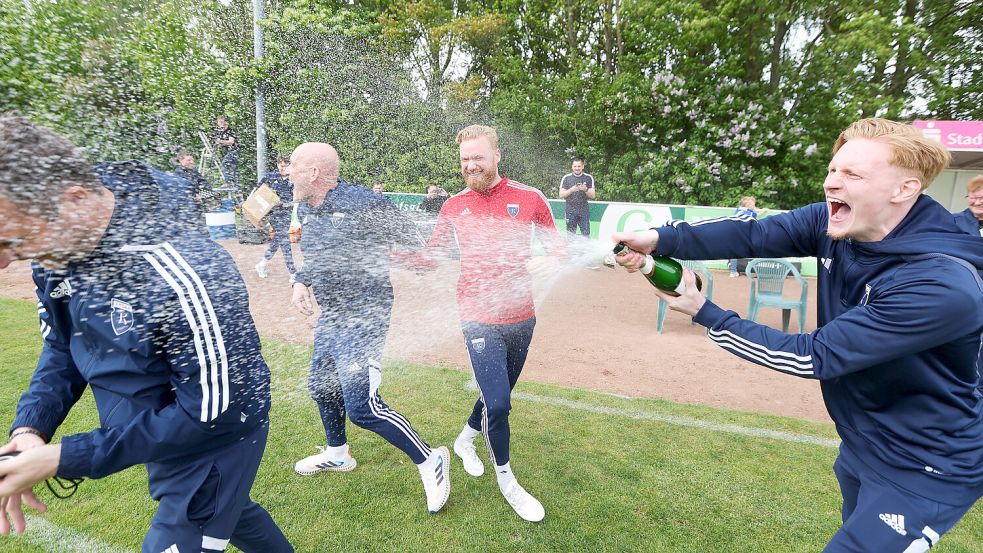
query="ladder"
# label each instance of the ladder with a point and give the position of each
(209, 164)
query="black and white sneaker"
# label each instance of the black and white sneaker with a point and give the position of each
(325, 461)
(436, 475)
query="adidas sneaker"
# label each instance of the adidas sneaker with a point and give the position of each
(325, 461)
(436, 475)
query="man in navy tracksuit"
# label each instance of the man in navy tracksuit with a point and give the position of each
(897, 350)
(154, 319)
(347, 234)
(279, 218)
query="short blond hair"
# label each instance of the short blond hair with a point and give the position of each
(477, 131)
(746, 200)
(974, 184)
(910, 150)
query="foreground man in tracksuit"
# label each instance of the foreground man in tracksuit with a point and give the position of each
(898, 343)
(346, 238)
(155, 320)
(495, 221)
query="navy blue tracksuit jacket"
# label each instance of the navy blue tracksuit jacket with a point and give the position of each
(968, 222)
(897, 350)
(156, 322)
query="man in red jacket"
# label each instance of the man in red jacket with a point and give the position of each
(495, 221)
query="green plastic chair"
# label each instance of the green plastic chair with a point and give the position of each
(767, 278)
(707, 276)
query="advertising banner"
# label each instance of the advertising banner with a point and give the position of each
(606, 218)
(955, 135)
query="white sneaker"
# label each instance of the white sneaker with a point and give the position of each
(436, 475)
(466, 451)
(325, 461)
(261, 269)
(734, 275)
(525, 505)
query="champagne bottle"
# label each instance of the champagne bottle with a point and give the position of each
(665, 273)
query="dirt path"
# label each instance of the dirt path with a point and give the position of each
(596, 329)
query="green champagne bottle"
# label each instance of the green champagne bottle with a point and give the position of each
(665, 273)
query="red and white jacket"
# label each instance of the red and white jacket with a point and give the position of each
(496, 231)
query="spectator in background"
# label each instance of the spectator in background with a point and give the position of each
(279, 218)
(436, 196)
(971, 219)
(576, 188)
(228, 145)
(746, 209)
(197, 185)
(377, 187)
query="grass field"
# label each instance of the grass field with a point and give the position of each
(619, 480)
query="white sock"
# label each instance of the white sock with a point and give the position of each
(504, 475)
(428, 463)
(468, 434)
(336, 451)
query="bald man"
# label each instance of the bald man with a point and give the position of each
(348, 232)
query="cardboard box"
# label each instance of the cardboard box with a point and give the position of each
(259, 204)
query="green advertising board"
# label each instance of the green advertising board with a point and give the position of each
(606, 218)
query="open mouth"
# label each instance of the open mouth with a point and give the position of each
(838, 210)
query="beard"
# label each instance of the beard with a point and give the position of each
(479, 182)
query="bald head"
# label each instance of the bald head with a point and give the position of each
(313, 170)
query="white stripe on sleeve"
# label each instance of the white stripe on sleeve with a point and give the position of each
(779, 360)
(192, 322)
(223, 356)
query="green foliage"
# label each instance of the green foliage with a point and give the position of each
(681, 101)
(123, 79)
(331, 86)
(701, 102)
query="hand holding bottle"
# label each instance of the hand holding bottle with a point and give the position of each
(642, 242)
(690, 301)
(664, 273)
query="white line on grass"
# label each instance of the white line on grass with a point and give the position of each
(58, 539)
(673, 419)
